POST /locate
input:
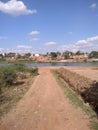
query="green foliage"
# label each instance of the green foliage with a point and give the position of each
(79, 53)
(12, 73)
(66, 56)
(22, 75)
(93, 54)
(7, 75)
(0, 88)
(33, 71)
(53, 55)
(20, 67)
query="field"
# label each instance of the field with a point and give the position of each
(89, 72)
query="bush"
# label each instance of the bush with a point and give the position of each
(33, 71)
(0, 88)
(7, 75)
(22, 75)
(20, 67)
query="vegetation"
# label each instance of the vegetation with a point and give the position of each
(33, 71)
(49, 56)
(93, 54)
(7, 75)
(53, 55)
(15, 80)
(10, 74)
(20, 67)
(79, 53)
(83, 86)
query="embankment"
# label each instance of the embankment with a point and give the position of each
(87, 88)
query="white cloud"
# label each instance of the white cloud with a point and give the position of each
(50, 43)
(34, 39)
(93, 6)
(88, 44)
(92, 39)
(15, 8)
(70, 33)
(1, 49)
(3, 37)
(24, 47)
(81, 42)
(34, 33)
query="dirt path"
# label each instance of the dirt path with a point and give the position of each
(45, 107)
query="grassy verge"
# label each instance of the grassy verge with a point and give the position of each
(15, 80)
(77, 101)
(10, 96)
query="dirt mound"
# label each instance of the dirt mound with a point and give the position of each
(85, 87)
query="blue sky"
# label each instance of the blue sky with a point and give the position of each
(48, 25)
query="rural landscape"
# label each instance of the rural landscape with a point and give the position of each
(36, 97)
(66, 56)
(48, 65)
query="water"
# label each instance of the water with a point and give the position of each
(64, 64)
(57, 64)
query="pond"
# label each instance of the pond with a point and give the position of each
(64, 64)
(57, 64)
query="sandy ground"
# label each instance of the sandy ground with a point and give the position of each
(44, 107)
(89, 72)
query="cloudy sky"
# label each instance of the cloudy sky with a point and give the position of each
(48, 25)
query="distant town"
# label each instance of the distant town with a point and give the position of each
(66, 56)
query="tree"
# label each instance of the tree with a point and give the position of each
(67, 54)
(10, 54)
(79, 53)
(53, 55)
(1, 56)
(27, 55)
(93, 54)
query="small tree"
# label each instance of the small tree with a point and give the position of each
(79, 53)
(93, 54)
(53, 55)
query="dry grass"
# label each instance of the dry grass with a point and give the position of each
(11, 95)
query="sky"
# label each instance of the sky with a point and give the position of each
(40, 26)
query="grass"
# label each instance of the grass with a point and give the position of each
(11, 95)
(77, 101)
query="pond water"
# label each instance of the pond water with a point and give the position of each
(57, 64)
(64, 64)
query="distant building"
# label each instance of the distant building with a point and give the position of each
(79, 57)
(37, 55)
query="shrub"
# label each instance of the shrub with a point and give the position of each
(7, 75)
(22, 75)
(20, 67)
(0, 88)
(33, 71)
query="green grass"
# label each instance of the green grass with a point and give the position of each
(77, 101)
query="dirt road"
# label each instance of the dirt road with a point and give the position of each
(45, 107)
